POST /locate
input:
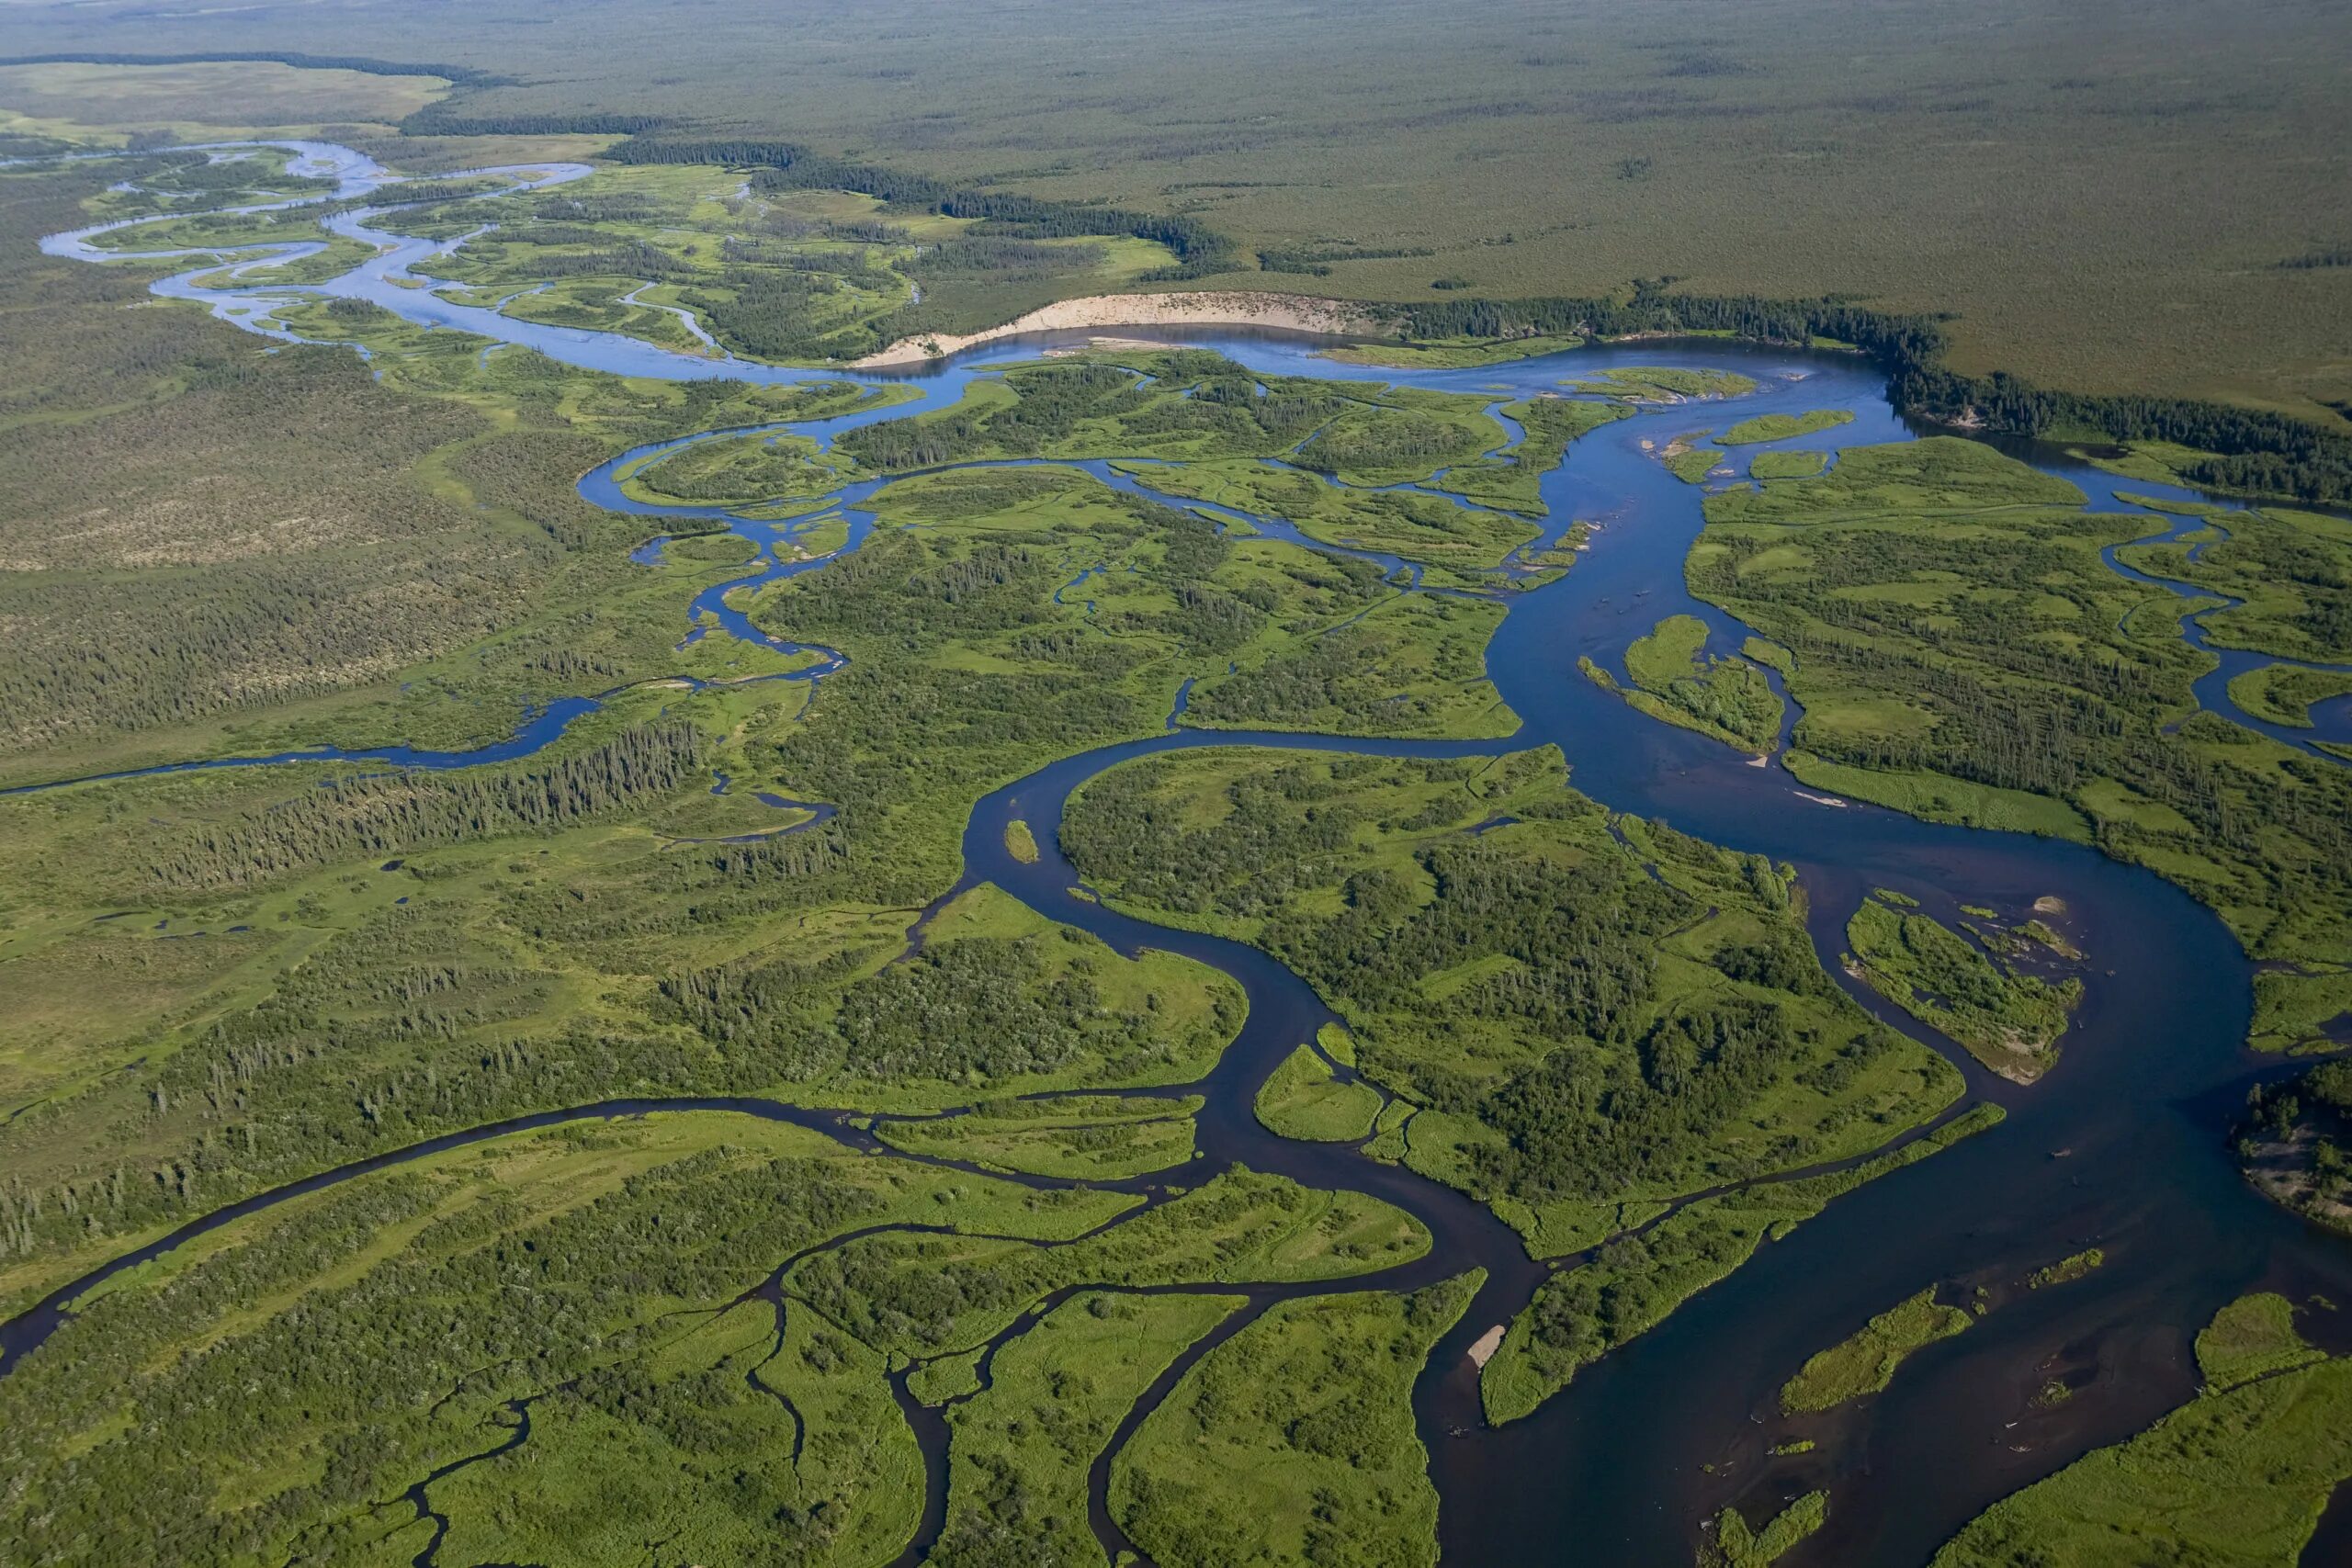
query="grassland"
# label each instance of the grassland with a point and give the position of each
(313, 964)
(1839, 179)
(1786, 464)
(1766, 428)
(605, 939)
(199, 101)
(1020, 1451)
(1632, 1281)
(730, 1417)
(1292, 1442)
(770, 273)
(2009, 1020)
(1676, 680)
(1962, 651)
(1459, 543)
(1304, 1100)
(919, 1294)
(1723, 1055)
(1079, 1137)
(2239, 1475)
(2283, 693)
(1867, 1363)
(189, 577)
(1737, 1544)
(1664, 384)
(636, 1236)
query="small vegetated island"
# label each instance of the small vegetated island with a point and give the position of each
(1051, 964)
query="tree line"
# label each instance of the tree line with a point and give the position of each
(405, 809)
(2256, 450)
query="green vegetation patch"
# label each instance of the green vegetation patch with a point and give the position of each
(1675, 679)
(1589, 1009)
(1630, 1284)
(1689, 458)
(1187, 405)
(1513, 480)
(1786, 464)
(2238, 1475)
(2009, 1019)
(378, 1317)
(1075, 1137)
(743, 470)
(1867, 1363)
(2067, 1269)
(1305, 1099)
(1660, 384)
(1408, 434)
(2291, 569)
(922, 1296)
(2283, 693)
(1430, 529)
(1292, 1442)
(2252, 1337)
(1455, 353)
(2296, 1142)
(680, 253)
(1783, 426)
(1737, 1544)
(1020, 1453)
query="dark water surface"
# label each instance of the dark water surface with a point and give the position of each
(2120, 1145)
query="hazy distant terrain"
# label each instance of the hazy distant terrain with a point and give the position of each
(2110, 198)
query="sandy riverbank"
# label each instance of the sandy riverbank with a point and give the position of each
(1232, 308)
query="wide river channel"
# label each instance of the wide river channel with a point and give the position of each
(2121, 1146)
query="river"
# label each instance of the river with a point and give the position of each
(2121, 1146)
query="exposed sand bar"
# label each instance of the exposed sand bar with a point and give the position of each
(1231, 307)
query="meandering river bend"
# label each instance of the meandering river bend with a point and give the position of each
(2121, 1146)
